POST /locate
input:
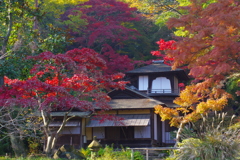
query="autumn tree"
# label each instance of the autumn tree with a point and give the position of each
(109, 24)
(210, 50)
(62, 82)
(18, 124)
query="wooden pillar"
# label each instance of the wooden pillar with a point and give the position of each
(152, 125)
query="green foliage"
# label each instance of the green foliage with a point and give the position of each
(28, 158)
(16, 67)
(58, 7)
(55, 41)
(232, 86)
(86, 152)
(34, 145)
(184, 2)
(5, 145)
(75, 23)
(211, 139)
(212, 147)
(163, 18)
(109, 153)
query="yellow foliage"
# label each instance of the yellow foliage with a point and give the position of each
(149, 9)
(175, 121)
(187, 97)
(202, 107)
(192, 117)
(181, 32)
(166, 113)
(57, 7)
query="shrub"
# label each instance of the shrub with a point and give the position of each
(212, 139)
(109, 153)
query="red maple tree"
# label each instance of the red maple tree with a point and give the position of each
(164, 46)
(106, 21)
(210, 50)
(62, 82)
(108, 26)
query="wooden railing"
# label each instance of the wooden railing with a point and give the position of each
(163, 91)
(150, 148)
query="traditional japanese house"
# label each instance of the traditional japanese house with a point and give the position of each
(150, 85)
(139, 126)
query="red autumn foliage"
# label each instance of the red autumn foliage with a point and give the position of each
(164, 46)
(210, 50)
(116, 62)
(105, 20)
(62, 82)
(106, 30)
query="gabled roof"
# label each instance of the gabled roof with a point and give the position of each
(73, 113)
(158, 68)
(154, 68)
(131, 93)
(132, 100)
(62, 113)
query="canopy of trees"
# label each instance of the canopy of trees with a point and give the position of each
(210, 50)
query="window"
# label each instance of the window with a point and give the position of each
(113, 133)
(117, 133)
(143, 83)
(161, 85)
(127, 132)
(142, 132)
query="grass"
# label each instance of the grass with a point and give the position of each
(212, 140)
(107, 153)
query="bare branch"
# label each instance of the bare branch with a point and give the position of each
(17, 121)
(3, 55)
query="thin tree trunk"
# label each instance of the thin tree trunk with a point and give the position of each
(3, 53)
(49, 149)
(179, 132)
(17, 145)
(35, 24)
(52, 136)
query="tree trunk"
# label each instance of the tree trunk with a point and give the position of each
(49, 148)
(17, 145)
(178, 136)
(51, 135)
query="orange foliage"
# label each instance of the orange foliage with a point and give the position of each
(210, 50)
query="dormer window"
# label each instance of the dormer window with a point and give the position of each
(161, 85)
(143, 83)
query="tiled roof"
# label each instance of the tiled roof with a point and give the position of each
(134, 103)
(154, 68)
(128, 120)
